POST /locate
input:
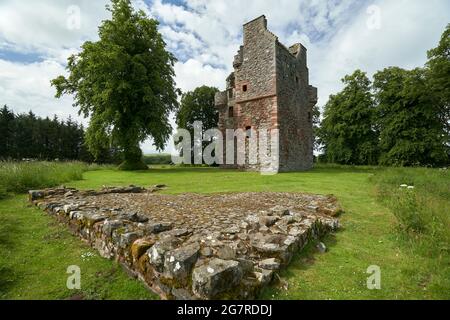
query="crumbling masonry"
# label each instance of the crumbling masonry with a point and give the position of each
(193, 246)
(269, 89)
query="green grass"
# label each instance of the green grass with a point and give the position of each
(35, 253)
(35, 264)
(19, 177)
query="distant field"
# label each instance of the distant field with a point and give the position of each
(404, 231)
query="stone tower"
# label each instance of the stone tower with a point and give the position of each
(270, 89)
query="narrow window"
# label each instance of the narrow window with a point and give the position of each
(244, 88)
(296, 79)
(230, 112)
(309, 117)
(230, 93)
(248, 130)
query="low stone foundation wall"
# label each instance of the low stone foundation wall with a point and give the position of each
(194, 246)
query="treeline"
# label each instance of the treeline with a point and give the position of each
(155, 159)
(27, 136)
(400, 118)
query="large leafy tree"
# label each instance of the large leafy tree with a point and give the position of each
(198, 105)
(125, 83)
(410, 130)
(438, 68)
(348, 132)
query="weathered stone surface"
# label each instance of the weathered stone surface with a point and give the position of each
(269, 88)
(90, 218)
(180, 232)
(321, 247)
(140, 247)
(206, 252)
(158, 227)
(35, 195)
(179, 262)
(246, 265)
(264, 277)
(130, 189)
(110, 225)
(268, 221)
(68, 208)
(216, 277)
(183, 294)
(133, 217)
(232, 230)
(269, 264)
(158, 251)
(226, 253)
(127, 239)
(230, 246)
(280, 211)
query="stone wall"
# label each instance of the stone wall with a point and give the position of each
(189, 246)
(270, 90)
(294, 110)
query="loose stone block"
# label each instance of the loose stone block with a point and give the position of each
(269, 264)
(35, 195)
(158, 251)
(127, 239)
(216, 277)
(140, 247)
(111, 225)
(158, 227)
(179, 263)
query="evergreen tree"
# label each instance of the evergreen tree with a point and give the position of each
(6, 132)
(31, 137)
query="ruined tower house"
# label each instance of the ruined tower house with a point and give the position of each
(269, 89)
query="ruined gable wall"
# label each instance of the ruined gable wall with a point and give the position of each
(257, 107)
(277, 95)
(294, 110)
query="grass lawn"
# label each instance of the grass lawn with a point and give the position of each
(35, 251)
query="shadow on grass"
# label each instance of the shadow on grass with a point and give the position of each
(7, 228)
(301, 261)
(304, 259)
(6, 280)
(7, 244)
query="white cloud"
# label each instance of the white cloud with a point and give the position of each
(205, 35)
(193, 73)
(27, 87)
(44, 27)
(408, 28)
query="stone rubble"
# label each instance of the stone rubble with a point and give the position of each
(194, 246)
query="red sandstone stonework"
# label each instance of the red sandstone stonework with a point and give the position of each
(269, 89)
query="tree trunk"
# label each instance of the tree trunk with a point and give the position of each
(132, 156)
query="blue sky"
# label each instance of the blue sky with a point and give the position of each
(36, 37)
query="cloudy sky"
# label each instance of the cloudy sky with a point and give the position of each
(36, 37)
